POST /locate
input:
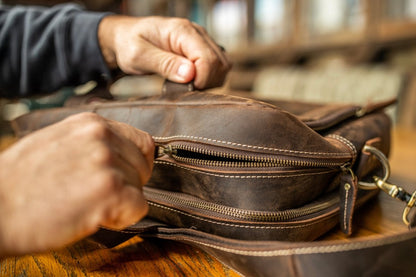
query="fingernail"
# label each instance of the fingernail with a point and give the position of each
(183, 70)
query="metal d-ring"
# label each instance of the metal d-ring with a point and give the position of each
(384, 163)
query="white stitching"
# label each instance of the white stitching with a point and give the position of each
(242, 176)
(292, 251)
(308, 250)
(246, 145)
(345, 208)
(346, 142)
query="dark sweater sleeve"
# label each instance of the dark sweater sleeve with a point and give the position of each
(44, 49)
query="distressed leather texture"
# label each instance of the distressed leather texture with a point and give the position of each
(250, 181)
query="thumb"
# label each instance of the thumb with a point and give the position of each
(167, 64)
(176, 68)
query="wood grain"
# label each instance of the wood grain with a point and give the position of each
(133, 258)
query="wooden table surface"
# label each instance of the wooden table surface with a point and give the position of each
(154, 257)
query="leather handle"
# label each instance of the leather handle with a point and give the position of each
(170, 87)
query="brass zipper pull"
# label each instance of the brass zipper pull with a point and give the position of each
(348, 195)
(161, 150)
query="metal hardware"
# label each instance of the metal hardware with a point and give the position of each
(391, 189)
(385, 164)
(347, 169)
(169, 150)
(157, 197)
(388, 188)
(409, 206)
(161, 150)
(347, 186)
(205, 156)
(361, 112)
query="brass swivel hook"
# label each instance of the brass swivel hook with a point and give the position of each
(391, 189)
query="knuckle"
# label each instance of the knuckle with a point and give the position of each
(103, 156)
(181, 22)
(97, 129)
(183, 26)
(210, 59)
(92, 124)
(214, 61)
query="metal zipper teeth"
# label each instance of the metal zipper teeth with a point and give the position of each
(237, 160)
(240, 214)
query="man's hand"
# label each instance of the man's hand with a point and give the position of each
(175, 48)
(62, 182)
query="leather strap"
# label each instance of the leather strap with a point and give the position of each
(387, 255)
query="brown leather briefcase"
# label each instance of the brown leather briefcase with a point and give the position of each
(250, 182)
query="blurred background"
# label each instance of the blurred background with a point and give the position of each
(356, 51)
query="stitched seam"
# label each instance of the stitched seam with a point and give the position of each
(305, 250)
(346, 142)
(295, 251)
(246, 145)
(228, 224)
(345, 209)
(242, 176)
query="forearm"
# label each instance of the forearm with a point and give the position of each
(42, 50)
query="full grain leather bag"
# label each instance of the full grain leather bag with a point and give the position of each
(248, 181)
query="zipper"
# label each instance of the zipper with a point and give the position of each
(215, 157)
(179, 201)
